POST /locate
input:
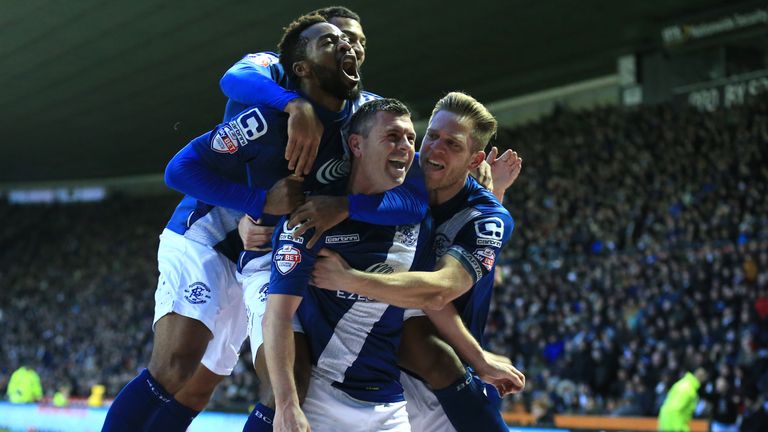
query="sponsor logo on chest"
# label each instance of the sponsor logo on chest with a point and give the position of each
(342, 238)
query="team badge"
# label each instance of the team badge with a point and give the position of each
(263, 292)
(286, 259)
(441, 245)
(406, 235)
(486, 256)
(197, 293)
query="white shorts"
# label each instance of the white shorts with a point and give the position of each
(424, 410)
(255, 278)
(199, 283)
(329, 409)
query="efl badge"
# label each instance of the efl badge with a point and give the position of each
(262, 59)
(224, 140)
(486, 256)
(286, 259)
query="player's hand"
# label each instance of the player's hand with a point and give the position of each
(321, 213)
(255, 237)
(330, 270)
(484, 175)
(285, 196)
(290, 418)
(498, 371)
(304, 133)
(505, 169)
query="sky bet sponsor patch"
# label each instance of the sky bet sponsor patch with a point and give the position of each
(247, 127)
(286, 259)
(224, 141)
(486, 256)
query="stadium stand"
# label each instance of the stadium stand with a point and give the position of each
(640, 252)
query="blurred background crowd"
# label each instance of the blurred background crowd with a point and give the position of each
(640, 252)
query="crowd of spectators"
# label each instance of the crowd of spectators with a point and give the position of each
(640, 251)
(78, 293)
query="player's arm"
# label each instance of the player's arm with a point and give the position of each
(405, 204)
(416, 290)
(202, 169)
(292, 264)
(259, 79)
(504, 170)
(491, 368)
(471, 257)
(279, 347)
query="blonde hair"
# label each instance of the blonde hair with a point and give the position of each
(484, 125)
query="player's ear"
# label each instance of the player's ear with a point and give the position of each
(354, 141)
(476, 160)
(301, 69)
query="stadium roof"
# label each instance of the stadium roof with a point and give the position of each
(94, 88)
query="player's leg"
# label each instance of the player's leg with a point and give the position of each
(197, 392)
(178, 346)
(178, 413)
(460, 397)
(186, 303)
(219, 358)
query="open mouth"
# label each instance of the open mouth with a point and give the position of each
(435, 165)
(397, 164)
(349, 67)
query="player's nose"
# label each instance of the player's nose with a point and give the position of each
(344, 45)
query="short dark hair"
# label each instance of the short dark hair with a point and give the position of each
(362, 120)
(336, 12)
(292, 46)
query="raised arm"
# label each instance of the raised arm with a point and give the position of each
(504, 170)
(259, 79)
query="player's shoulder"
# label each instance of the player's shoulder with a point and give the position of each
(490, 218)
(365, 96)
(485, 201)
(263, 59)
(255, 123)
